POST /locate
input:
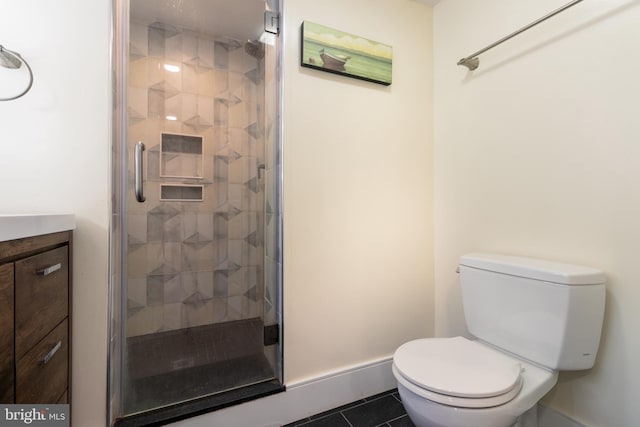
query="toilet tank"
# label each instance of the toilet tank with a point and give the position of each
(548, 312)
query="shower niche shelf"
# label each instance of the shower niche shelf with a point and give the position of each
(180, 193)
(181, 156)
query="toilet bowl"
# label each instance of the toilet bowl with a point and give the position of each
(457, 382)
(531, 318)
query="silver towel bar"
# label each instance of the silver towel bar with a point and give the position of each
(11, 59)
(472, 62)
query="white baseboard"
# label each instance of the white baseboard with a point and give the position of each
(549, 417)
(304, 398)
(327, 391)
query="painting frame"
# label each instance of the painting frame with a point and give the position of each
(334, 51)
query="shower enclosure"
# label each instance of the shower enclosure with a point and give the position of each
(196, 226)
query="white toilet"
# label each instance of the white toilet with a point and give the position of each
(531, 318)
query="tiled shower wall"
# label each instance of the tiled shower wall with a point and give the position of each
(198, 262)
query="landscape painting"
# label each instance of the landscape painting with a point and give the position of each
(335, 51)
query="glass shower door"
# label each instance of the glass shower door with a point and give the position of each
(198, 217)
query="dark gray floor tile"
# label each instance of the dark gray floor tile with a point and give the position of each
(402, 422)
(334, 420)
(338, 409)
(298, 423)
(375, 412)
(379, 395)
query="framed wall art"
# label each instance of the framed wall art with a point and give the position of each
(337, 52)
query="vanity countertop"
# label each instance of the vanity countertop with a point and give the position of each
(20, 226)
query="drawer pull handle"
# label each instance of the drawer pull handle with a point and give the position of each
(49, 270)
(51, 353)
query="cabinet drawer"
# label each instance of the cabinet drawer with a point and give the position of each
(41, 296)
(41, 375)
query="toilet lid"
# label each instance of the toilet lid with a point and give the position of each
(457, 367)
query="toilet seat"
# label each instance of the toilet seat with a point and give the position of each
(458, 372)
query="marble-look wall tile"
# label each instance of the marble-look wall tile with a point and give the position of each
(220, 251)
(173, 49)
(236, 60)
(238, 253)
(272, 277)
(221, 83)
(156, 103)
(220, 112)
(156, 37)
(136, 293)
(221, 55)
(205, 284)
(153, 163)
(137, 261)
(189, 48)
(173, 292)
(138, 103)
(220, 309)
(157, 75)
(239, 196)
(220, 284)
(206, 52)
(206, 83)
(237, 282)
(189, 78)
(196, 263)
(239, 170)
(205, 109)
(173, 229)
(221, 172)
(205, 226)
(137, 228)
(138, 75)
(198, 314)
(234, 308)
(138, 40)
(189, 106)
(172, 316)
(172, 79)
(189, 285)
(155, 290)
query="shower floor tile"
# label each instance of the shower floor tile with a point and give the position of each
(164, 352)
(191, 383)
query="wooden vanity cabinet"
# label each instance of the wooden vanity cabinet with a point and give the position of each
(35, 319)
(7, 382)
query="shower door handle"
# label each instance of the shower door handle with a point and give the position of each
(138, 171)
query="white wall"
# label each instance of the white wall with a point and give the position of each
(54, 157)
(358, 278)
(537, 153)
(358, 221)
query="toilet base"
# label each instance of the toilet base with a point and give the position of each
(424, 413)
(528, 419)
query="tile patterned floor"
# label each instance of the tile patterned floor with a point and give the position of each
(191, 383)
(381, 410)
